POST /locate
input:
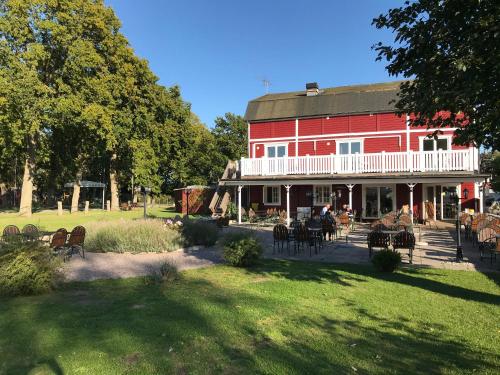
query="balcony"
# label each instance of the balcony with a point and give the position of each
(383, 162)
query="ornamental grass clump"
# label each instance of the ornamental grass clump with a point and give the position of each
(241, 249)
(133, 236)
(29, 269)
(386, 260)
(200, 232)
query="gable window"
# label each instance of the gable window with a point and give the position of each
(322, 194)
(272, 195)
(431, 144)
(349, 147)
(276, 151)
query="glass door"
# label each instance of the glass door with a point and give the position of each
(449, 204)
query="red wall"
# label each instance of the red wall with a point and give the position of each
(349, 126)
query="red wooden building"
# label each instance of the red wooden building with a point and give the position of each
(345, 145)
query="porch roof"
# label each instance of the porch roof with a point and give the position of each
(372, 178)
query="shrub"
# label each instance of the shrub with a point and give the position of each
(241, 249)
(200, 232)
(166, 273)
(29, 269)
(386, 260)
(132, 236)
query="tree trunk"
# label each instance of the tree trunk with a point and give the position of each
(76, 193)
(113, 182)
(27, 189)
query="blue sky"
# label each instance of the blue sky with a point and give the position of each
(219, 51)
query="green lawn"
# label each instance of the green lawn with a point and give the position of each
(49, 220)
(281, 317)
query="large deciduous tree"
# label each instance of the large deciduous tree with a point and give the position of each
(450, 52)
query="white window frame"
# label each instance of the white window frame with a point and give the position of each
(421, 142)
(266, 145)
(363, 198)
(361, 141)
(265, 202)
(317, 202)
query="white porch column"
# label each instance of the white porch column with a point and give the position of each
(411, 185)
(287, 187)
(350, 186)
(239, 203)
(441, 200)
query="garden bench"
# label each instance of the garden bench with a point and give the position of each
(377, 239)
(488, 243)
(404, 240)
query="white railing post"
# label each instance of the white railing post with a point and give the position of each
(383, 161)
(285, 165)
(242, 166)
(471, 159)
(308, 158)
(440, 160)
(409, 160)
(332, 163)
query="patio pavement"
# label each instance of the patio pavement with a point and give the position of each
(435, 248)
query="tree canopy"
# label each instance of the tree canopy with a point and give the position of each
(450, 51)
(77, 103)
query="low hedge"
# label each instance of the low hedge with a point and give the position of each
(241, 249)
(386, 260)
(28, 269)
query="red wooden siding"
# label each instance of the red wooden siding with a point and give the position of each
(306, 148)
(335, 125)
(326, 147)
(364, 123)
(310, 127)
(381, 144)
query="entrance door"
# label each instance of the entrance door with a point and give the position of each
(432, 203)
(449, 204)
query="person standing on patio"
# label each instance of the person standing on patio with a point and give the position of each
(324, 210)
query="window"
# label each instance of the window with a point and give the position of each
(349, 147)
(272, 195)
(434, 144)
(276, 151)
(379, 200)
(322, 194)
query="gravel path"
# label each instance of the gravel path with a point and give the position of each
(115, 266)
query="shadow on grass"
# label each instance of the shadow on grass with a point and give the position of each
(328, 272)
(194, 325)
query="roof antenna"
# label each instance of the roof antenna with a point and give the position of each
(266, 84)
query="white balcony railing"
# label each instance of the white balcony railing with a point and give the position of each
(383, 162)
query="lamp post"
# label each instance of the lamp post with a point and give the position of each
(188, 191)
(145, 190)
(456, 196)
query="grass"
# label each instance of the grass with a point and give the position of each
(49, 220)
(280, 317)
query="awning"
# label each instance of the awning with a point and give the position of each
(86, 184)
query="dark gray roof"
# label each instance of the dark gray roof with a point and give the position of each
(86, 184)
(371, 98)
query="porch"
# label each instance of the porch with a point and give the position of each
(426, 197)
(435, 248)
